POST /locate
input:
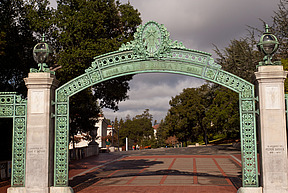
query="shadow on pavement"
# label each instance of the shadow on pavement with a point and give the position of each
(84, 181)
(81, 182)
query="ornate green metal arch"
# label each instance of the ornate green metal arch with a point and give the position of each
(152, 50)
(13, 106)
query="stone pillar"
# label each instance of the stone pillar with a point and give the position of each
(273, 138)
(40, 132)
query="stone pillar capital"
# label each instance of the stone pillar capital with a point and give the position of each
(41, 80)
(270, 73)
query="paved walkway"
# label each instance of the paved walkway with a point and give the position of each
(161, 173)
(197, 170)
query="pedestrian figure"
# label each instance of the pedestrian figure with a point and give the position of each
(107, 144)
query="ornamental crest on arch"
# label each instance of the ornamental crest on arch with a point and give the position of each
(151, 41)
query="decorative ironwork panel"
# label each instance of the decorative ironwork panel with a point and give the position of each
(13, 106)
(248, 141)
(152, 50)
(61, 151)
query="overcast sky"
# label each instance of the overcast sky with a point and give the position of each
(198, 24)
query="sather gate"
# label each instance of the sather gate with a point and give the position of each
(152, 50)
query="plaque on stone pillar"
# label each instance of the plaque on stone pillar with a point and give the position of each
(272, 97)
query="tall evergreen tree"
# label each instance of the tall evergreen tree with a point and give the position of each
(240, 57)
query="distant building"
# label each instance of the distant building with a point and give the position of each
(109, 130)
(80, 140)
(155, 128)
(102, 131)
(99, 132)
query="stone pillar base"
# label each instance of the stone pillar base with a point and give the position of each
(250, 190)
(16, 190)
(61, 190)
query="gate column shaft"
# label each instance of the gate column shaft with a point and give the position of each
(40, 137)
(273, 138)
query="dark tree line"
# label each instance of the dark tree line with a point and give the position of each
(137, 129)
(201, 114)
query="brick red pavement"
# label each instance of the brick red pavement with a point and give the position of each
(168, 173)
(159, 189)
(84, 165)
(204, 174)
(77, 167)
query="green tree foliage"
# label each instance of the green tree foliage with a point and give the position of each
(86, 29)
(280, 28)
(222, 116)
(240, 58)
(122, 134)
(161, 134)
(41, 18)
(185, 118)
(90, 28)
(16, 44)
(80, 120)
(138, 129)
(78, 30)
(198, 114)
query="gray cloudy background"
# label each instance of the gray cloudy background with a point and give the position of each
(198, 24)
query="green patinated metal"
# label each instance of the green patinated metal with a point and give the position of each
(152, 50)
(268, 44)
(41, 52)
(13, 106)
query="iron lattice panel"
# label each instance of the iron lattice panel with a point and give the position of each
(13, 106)
(160, 55)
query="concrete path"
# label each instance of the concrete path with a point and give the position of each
(168, 170)
(196, 169)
